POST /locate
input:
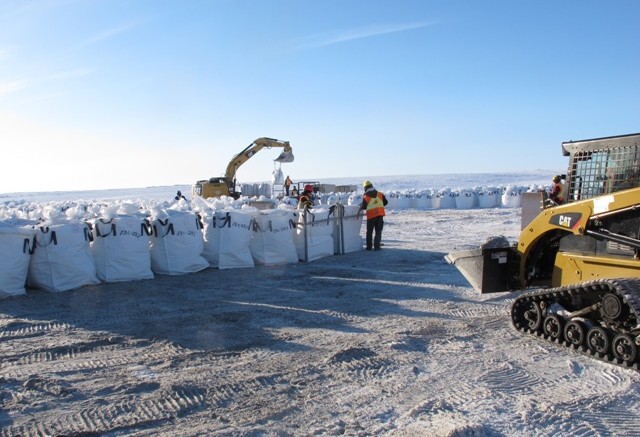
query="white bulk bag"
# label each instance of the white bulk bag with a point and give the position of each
(120, 248)
(177, 243)
(227, 236)
(392, 199)
(445, 199)
(314, 234)
(512, 197)
(62, 259)
(488, 198)
(346, 234)
(353, 199)
(464, 199)
(16, 245)
(422, 200)
(272, 242)
(278, 177)
(405, 200)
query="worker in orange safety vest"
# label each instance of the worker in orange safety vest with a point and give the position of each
(373, 202)
(305, 200)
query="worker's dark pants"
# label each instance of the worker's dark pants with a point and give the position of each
(374, 224)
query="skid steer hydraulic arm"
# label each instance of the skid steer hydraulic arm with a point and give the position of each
(604, 234)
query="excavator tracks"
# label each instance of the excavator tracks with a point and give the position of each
(600, 319)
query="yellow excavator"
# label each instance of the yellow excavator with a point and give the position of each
(226, 185)
(580, 259)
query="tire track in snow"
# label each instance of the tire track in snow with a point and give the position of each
(479, 311)
(85, 357)
(68, 352)
(617, 418)
(20, 330)
(130, 413)
(590, 411)
(564, 404)
(222, 394)
(361, 363)
(511, 379)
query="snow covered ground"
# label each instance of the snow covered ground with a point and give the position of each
(393, 342)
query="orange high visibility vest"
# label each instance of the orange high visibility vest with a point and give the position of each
(375, 206)
(304, 202)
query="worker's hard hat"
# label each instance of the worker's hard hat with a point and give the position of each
(367, 184)
(556, 178)
(308, 188)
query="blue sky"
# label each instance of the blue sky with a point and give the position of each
(115, 94)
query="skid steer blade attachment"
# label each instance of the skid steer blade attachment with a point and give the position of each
(487, 269)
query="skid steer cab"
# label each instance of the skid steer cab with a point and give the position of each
(594, 235)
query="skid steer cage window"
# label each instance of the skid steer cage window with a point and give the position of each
(598, 172)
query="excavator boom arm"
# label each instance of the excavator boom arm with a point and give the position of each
(252, 149)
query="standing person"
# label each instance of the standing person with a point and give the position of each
(306, 198)
(557, 192)
(373, 202)
(287, 185)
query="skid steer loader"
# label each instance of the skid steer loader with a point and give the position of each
(580, 259)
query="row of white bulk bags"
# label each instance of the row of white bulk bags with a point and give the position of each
(16, 246)
(126, 248)
(255, 190)
(120, 248)
(490, 197)
(409, 200)
(227, 237)
(70, 254)
(61, 258)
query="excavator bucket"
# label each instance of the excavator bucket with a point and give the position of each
(286, 156)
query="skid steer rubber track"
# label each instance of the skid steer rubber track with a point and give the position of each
(605, 328)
